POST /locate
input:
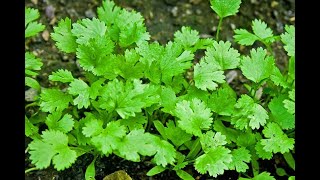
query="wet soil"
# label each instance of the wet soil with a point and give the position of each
(162, 18)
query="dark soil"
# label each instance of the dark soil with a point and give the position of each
(162, 18)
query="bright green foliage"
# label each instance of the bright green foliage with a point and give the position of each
(155, 170)
(225, 8)
(184, 175)
(135, 143)
(168, 100)
(212, 140)
(278, 79)
(288, 38)
(130, 67)
(207, 75)
(230, 133)
(30, 129)
(62, 75)
(260, 32)
(239, 158)
(128, 99)
(289, 104)
(274, 135)
(248, 113)
(246, 139)
(215, 161)
(223, 54)
(55, 122)
(223, 100)
(31, 26)
(186, 37)
(257, 67)
(32, 83)
(175, 134)
(54, 100)
(82, 90)
(63, 36)
(261, 176)
(32, 63)
(53, 146)
(280, 114)
(263, 154)
(165, 152)
(193, 116)
(135, 122)
(104, 139)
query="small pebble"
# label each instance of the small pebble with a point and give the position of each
(90, 14)
(174, 11)
(45, 35)
(50, 11)
(34, 2)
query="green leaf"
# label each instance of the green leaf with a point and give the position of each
(155, 170)
(230, 133)
(55, 122)
(54, 100)
(261, 176)
(80, 88)
(261, 30)
(225, 8)
(280, 114)
(130, 67)
(240, 158)
(30, 129)
(65, 40)
(53, 146)
(136, 122)
(246, 139)
(135, 143)
(175, 134)
(32, 63)
(263, 154)
(214, 162)
(288, 38)
(223, 100)
(193, 116)
(62, 75)
(108, 12)
(32, 83)
(32, 28)
(289, 104)
(105, 140)
(274, 135)
(248, 113)
(165, 152)
(186, 37)
(207, 75)
(211, 140)
(278, 79)
(90, 171)
(290, 160)
(168, 99)
(257, 67)
(86, 29)
(128, 99)
(93, 127)
(94, 56)
(223, 54)
(243, 37)
(184, 175)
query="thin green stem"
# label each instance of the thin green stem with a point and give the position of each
(31, 169)
(31, 104)
(218, 29)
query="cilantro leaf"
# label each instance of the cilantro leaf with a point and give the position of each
(207, 75)
(86, 29)
(61, 75)
(223, 100)
(280, 114)
(95, 56)
(130, 67)
(225, 8)
(65, 40)
(54, 100)
(32, 28)
(105, 140)
(165, 152)
(246, 139)
(278, 79)
(215, 161)
(193, 116)
(32, 63)
(55, 122)
(53, 146)
(244, 37)
(275, 135)
(128, 99)
(135, 143)
(80, 88)
(288, 38)
(223, 54)
(175, 134)
(248, 113)
(168, 99)
(108, 12)
(263, 154)
(239, 158)
(261, 176)
(30, 129)
(261, 30)
(289, 104)
(211, 140)
(230, 133)
(186, 37)
(135, 122)
(257, 67)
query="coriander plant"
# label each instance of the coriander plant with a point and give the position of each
(138, 98)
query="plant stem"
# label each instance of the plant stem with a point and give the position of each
(31, 104)
(31, 169)
(218, 29)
